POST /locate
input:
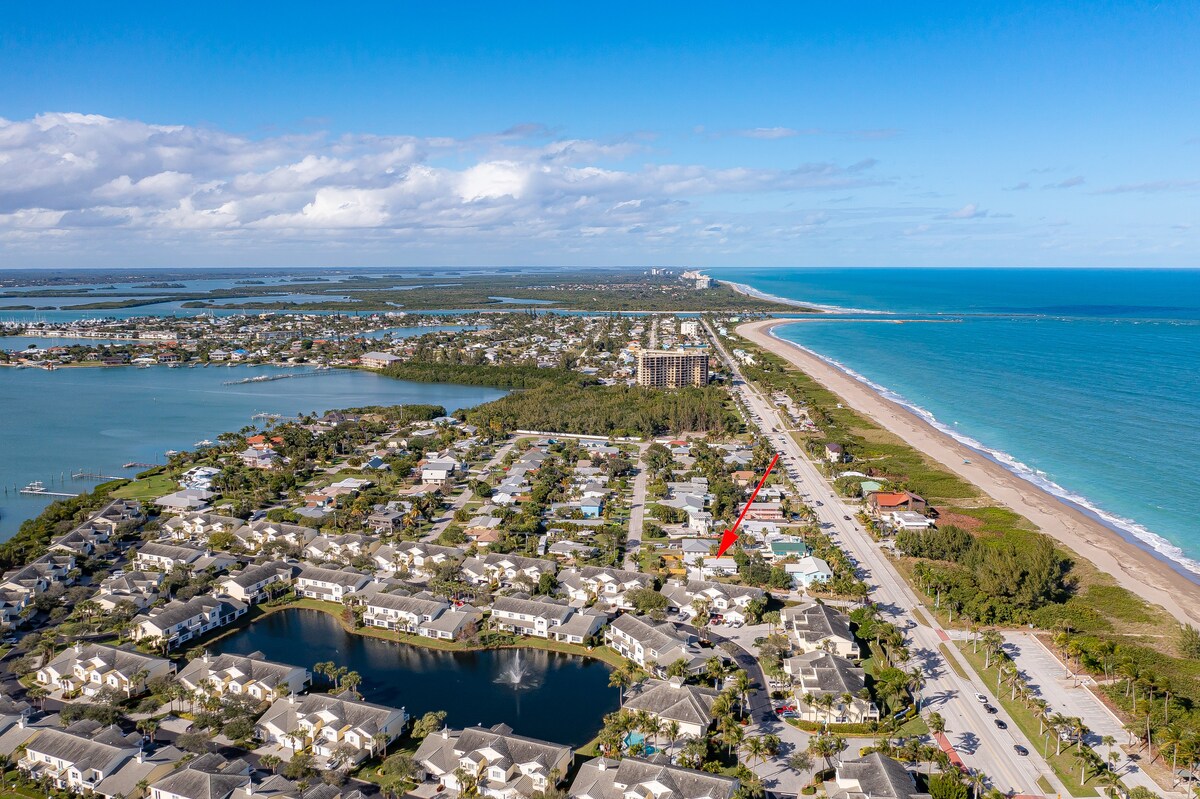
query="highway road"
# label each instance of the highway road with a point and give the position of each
(970, 729)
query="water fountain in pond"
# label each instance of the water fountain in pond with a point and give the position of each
(516, 675)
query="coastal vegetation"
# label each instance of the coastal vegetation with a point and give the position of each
(59, 517)
(609, 411)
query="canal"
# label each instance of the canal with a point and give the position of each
(547, 695)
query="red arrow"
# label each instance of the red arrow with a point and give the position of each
(730, 536)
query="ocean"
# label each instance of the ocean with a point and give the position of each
(1083, 381)
(53, 424)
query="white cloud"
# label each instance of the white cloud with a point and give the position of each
(80, 174)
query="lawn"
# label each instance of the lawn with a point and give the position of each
(147, 488)
(1064, 764)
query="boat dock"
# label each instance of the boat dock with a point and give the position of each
(36, 488)
(269, 378)
(138, 465)
(85, 475)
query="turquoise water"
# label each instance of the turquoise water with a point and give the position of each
(54, 423)
(1082, 381)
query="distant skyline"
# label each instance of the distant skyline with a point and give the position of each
(875, 134)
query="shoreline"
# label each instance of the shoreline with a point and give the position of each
(1135, 567)
(747, 290)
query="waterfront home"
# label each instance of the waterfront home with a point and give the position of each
(85, 755)
(419, 558)
(199, 526)
(881, 502)
(259, 534)
(243, 675)
(88, 668)
(689, 706)
(137, 587)
(606, 585)
(327, 722)
(343, 548)
(509, 766)
(630, 777)
(254, 584)
(507, 570)
(545, 617)
(820, 674)
(873, 776)
(733, 603)
(209, 776)
(835, 453)
(818, 626)
(654, 645)
(906, 521)
(254, 458)
(377, 360)
(808, 571)
(333, 585)
(178, 622)
(421, 613)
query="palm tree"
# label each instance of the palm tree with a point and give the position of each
(671, 730)
(916, 681)
(977, 780)
(753, 748)
(741, 684)
(936, 722)
(992, 641)
(270, 761)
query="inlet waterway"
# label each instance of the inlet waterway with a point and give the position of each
(96, 419)
(548, 695)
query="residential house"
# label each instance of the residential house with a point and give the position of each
(263, 532)
(817, 675)
(419, 558)
(545, 617)
(243, 675)
(89, 668)
(136, 587)
(654, 645)
(608, 586)
(673, 700)
(421, 613)
(333, 585)
(254, 584)
(178, 622)
(377, 360)
(328, 723)
(510, 766)
(209, 776)
(881, 502)
(507, 570)
(818, 626)
(732, 603)
(636, 778)
(873, 776)
(808, 571)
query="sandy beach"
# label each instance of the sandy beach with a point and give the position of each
(1133, 567)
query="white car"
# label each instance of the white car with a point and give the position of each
(980, 698)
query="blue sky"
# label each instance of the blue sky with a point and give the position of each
(758, 135)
